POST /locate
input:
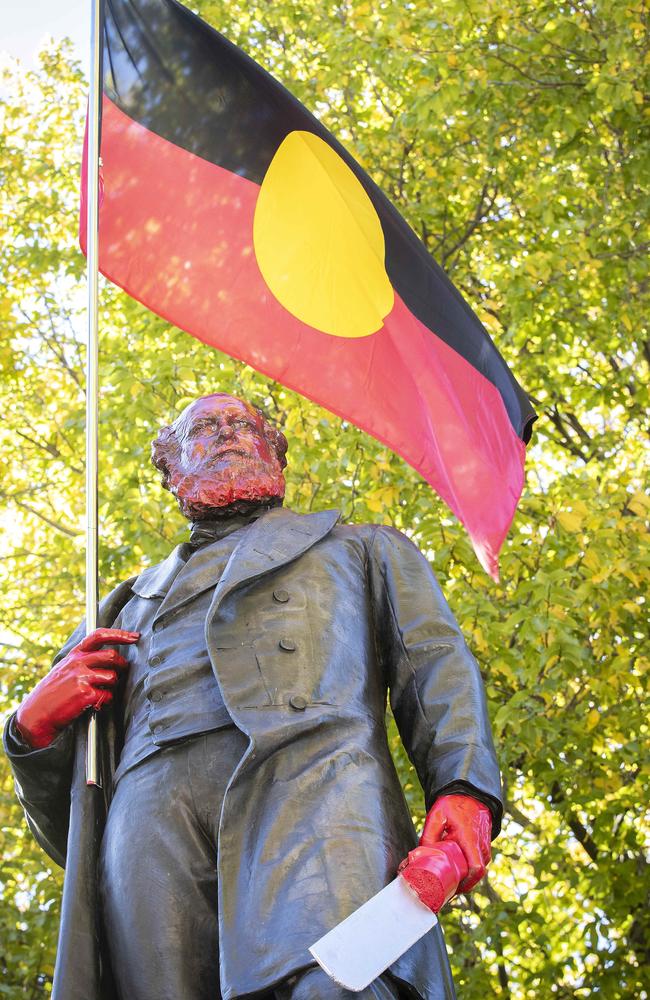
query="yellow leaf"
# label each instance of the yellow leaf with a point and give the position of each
(505, 670)
(491, 323)
(389, 495)
(593, 718)
(639, 504)
(609, 784)
(479, 641)
(571, 520)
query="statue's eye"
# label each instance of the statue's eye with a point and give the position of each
(240, 423)
(202, 427)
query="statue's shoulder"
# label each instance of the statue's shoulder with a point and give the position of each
(326, 525)
(111, 605)
(382, 541)
(371, 532)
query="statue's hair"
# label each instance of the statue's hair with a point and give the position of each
(165, 450)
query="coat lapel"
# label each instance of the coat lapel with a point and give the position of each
(274, 540)
(156, 580)
(202, 571)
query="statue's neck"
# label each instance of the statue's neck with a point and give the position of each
(224, 520)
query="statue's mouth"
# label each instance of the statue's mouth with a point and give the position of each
(230, 450)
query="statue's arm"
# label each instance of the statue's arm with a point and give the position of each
(436, 689)
(42, 779)
(42, 768)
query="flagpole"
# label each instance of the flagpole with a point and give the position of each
(93, 776)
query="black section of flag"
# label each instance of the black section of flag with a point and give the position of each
(168, 70)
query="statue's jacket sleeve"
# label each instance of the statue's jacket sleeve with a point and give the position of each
(44, 778)
(436, 690)
(68, 823)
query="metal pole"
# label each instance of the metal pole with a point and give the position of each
(93, 776)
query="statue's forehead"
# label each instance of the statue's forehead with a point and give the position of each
(209, 406)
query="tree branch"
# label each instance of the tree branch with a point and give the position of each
(43, 517)
(577, 828)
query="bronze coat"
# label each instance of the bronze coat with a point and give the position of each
(314, 820)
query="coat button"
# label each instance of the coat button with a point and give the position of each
(281, 596)
(157, 696)
(287, 644)
(155, 660)
(298, 702)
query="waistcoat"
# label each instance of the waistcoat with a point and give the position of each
(171, 692)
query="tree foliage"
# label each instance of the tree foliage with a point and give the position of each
(514, 138)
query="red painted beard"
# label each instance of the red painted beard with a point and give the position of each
(238, 480)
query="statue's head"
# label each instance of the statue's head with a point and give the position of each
(221, 453)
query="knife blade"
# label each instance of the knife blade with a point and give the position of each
(363, 945)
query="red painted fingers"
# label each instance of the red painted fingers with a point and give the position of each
(465, 821)
(101, 636)
(83, 679)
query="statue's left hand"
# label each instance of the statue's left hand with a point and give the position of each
(437, 869)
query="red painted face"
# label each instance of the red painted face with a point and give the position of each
(219, 452)
(215, 431)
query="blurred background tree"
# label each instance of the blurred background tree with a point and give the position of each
(514, 138)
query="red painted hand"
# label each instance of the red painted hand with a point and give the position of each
(434, 872)
(454, 850)
(83, 679)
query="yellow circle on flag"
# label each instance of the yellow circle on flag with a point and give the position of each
(319, 242)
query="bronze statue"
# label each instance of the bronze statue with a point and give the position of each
(250, 798)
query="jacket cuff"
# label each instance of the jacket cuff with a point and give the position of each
(475, 770)
(466, 788)
(18, 750)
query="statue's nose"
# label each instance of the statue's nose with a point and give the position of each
(226, 432)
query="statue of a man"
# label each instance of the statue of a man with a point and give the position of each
(250, 800)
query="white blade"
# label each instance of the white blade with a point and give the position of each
(363, 945)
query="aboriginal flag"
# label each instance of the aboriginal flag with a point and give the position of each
(229, 210)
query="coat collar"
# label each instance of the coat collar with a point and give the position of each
(275, 539)
(272, 541)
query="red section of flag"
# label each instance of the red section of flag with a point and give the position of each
(176, 232)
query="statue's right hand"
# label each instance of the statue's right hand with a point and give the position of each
(85, 678)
